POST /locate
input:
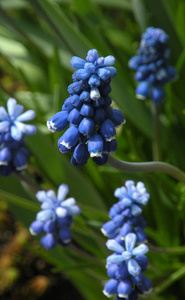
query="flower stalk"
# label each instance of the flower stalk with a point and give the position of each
(146, 167)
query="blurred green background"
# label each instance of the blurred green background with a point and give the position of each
(37, 40)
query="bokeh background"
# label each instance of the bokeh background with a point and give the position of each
(37, 40)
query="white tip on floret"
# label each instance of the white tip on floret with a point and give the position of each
(110, 139)
(96, 154)
(140, 97)
(107, 294)
(94, 94)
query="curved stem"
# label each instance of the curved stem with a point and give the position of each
(155, 118)
(146, 167)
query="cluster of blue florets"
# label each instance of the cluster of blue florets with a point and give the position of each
(125, 230)
(151, 65)
(13, 154)
(91, 120)
(55, 218)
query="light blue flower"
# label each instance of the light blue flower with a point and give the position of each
(132, 196)
(125, 254)
(13, 120)
(55, 217)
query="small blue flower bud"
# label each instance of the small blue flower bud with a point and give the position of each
(108, 228)
(90, 67)
(143, 90)
(19, 160)
(113, 71)
(74, 88)
(5, 156)
(122, 272)
(134, 62)
(99, 114)
(103, 73)
(74, 117)
(70, 137)
(125, 229)
(133, 267)
(67, 105)
(95, 145)
(77, 62)
(94, 81)
(92, 55)
(87, 110)
(85, 96)
(75, 101)
(118, 220)
(49, 226)
(58, 122)
(146, 285)
(48, 241)
(112, 270)
(124, 288)
(109, 60)
(107, 130)
(65, 221)
(110, 287)
(82, 74)
(142, 260)
(36, 227)
(44, 215)
(81, 153)
(86, 126)
(158, 94)
(65, 235)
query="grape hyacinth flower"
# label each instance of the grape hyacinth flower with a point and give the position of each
(13, 154)
(151, 65)
(12, 121)
(91, 120)
(55, 218)
(126, 214)
(125, 268)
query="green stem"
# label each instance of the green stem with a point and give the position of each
(171, 279)
(146, 167)
(155, 117)
(31, 184)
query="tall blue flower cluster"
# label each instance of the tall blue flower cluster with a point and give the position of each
(91, 120)
(13, 154)
(125, 229)
(55, 218)
(152, 65)
(125, 268)
(126, 214)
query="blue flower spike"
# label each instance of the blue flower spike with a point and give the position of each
(126, 235)
(87, 111)
(152, 65)
(13, 154)
(55, 217)
(126, 213)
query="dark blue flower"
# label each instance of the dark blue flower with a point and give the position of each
(91, 120)
(55, 218)
(151, 65)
